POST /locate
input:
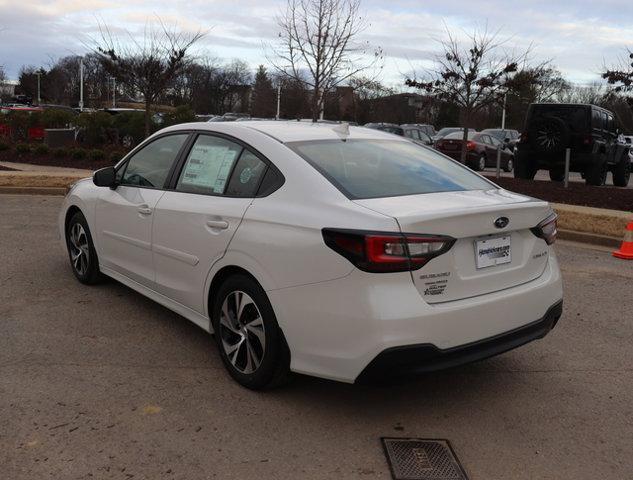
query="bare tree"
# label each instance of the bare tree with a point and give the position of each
(472, 76)
(319, 46)
(147, 66)
(622, 74)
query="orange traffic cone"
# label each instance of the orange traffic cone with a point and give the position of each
(626, 250)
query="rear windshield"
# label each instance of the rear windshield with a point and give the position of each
(387, 128)
(386, 168)
(460, 135)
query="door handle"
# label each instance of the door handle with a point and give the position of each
(144, 210)
(219, 224)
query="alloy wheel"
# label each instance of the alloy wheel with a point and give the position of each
(242, 332)
(510, 165)
(79, 249)
(482, 163)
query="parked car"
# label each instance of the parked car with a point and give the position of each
(426, 128)
(340, 253)
(446, 130)
(589, 132)
(509, 137)
(411, 132)
(481, 150)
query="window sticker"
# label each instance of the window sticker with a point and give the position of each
(246, 175)
(208, 167)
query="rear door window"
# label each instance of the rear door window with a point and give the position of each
(209, 165)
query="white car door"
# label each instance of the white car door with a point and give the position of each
(124, 215)
(194, 222)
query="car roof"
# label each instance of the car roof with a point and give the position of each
(585, 105)
(291, 130)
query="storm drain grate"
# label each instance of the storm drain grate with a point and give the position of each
(422, 459)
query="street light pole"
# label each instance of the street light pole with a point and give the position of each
(503, 114)
(81, 84)
(278, 101)
(39, 96)
(113, 92)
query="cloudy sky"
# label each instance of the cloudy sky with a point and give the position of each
(577, 35)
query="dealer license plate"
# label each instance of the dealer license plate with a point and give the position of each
(493, 251)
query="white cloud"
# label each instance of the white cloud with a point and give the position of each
(577, 35)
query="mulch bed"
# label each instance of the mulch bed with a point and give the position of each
(577, 194)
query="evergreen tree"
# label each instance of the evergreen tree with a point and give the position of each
(263, 97)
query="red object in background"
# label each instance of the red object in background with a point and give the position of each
(33, 133)
(36, 133)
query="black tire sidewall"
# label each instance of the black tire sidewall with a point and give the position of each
(275, 358)
(622, 173)
(92, 274)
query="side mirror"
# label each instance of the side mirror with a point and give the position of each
(506, 140)
(105, 177)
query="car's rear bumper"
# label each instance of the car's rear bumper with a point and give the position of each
(335, 329)
(471, 157)
(422, 358)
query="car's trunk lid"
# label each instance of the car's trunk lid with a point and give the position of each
(469, 217)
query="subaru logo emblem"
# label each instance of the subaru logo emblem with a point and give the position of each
(502, 222)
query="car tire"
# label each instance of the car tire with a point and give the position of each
(622, 173)
(509, 165)
(596, 173)
(251, 344)
(523, 168)
(81, 251)
(556, 175)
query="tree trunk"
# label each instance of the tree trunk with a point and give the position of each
(316, 104)
(465, 125)
(148, 116)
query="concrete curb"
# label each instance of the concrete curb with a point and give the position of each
(32, 190)
(591, 238)
(595, 225)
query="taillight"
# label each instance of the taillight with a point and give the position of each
(547, 229)
(523, 138)
(470, 145)
(587, 140)
(386, 252)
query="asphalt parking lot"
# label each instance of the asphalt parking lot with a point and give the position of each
(100, 382)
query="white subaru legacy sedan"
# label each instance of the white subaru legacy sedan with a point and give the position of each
(335, 251)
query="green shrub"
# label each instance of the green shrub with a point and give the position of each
(42, 150)
(60, 153)
(132, 124)
(4, 147)
(115, 157)
(23, 148)
(96, 154)
(57, 118)
(95, 127)
(78, 153)
(182, 114)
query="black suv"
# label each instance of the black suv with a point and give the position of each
(589, 131)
